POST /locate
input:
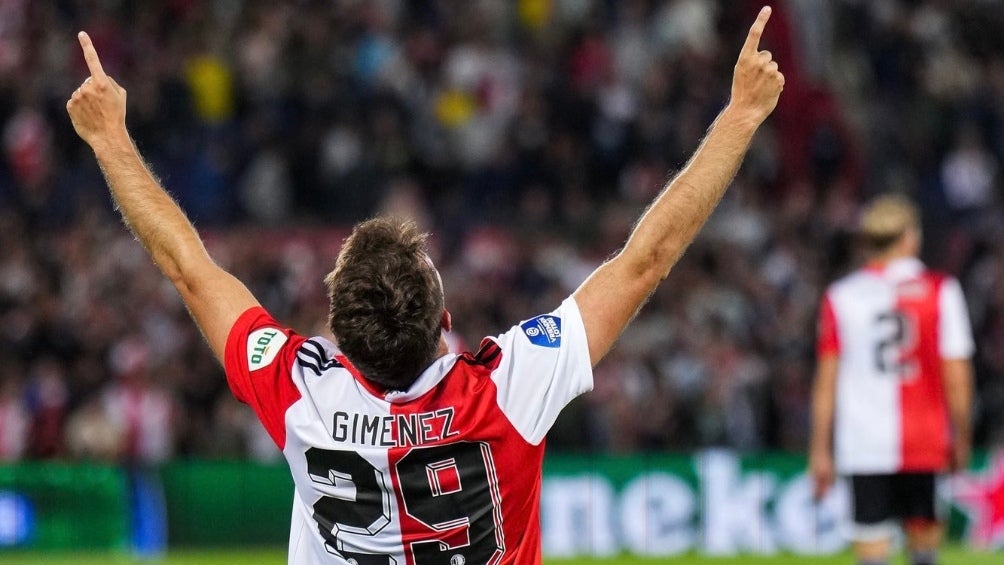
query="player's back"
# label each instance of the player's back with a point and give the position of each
(890, 328)
(447, 472)
(419, 469)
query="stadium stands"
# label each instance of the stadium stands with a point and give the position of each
(525, 135)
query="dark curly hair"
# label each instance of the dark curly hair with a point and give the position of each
(386, 302)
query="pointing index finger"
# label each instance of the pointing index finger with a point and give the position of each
(90, 55)
(753, 39)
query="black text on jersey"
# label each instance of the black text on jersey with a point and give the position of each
(397, 430)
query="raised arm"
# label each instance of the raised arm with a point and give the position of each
(214, 298)
(612, 295)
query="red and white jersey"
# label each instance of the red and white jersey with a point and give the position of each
(890, 328)
(445, 473)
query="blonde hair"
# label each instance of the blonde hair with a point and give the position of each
(886, 219)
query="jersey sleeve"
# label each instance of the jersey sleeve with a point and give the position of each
(955, 335)
(544, 364)
(827, 334)
(258, 361)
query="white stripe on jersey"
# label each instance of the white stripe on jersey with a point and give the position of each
(866, 426)
(537, 377)
(310, 432)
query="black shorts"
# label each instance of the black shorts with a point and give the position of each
(903, 496)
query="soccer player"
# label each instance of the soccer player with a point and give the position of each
(893, 386)
(400, 452)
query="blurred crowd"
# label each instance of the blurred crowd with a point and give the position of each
(527, 135)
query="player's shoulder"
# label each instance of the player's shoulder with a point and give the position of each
(545, 331)
(488, 355)
(944, 287)
(850, 282)
(927, 282)
(317, 355)
(936, 276)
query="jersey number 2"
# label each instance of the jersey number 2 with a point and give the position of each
(893, 352)
(451, 490)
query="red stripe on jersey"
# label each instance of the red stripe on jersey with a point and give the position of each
(470, 487)
(269, 390)
(923, 412)
(827, 338)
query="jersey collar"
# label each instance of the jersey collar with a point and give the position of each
(904, 268)
(425, 382)
(897, 269)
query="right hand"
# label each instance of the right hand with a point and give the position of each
(97, 109)
(757, 83)
(961, 453)
(821, 469)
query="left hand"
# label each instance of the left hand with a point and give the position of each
(97, 109)
(756, 83)
(822, 471)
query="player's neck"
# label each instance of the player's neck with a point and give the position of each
(443, 348)
(880, 262)
(908, 247)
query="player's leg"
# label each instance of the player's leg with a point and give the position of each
(874, 552)
(915, 495)
(873, 525)
(923, 539)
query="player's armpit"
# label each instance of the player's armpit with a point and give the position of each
(608, 299)
(215, 299)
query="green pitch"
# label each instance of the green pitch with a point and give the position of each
(278, 557)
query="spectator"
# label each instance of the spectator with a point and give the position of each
(512, 131)
(15, 420)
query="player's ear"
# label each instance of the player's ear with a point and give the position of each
(447, 321)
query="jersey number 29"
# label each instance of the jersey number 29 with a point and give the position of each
(450, 490)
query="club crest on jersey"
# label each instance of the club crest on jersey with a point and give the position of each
(263, 346)
(544, 331)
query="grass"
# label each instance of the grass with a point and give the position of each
(272, 556)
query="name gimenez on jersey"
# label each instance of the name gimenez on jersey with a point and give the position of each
(396, 430)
